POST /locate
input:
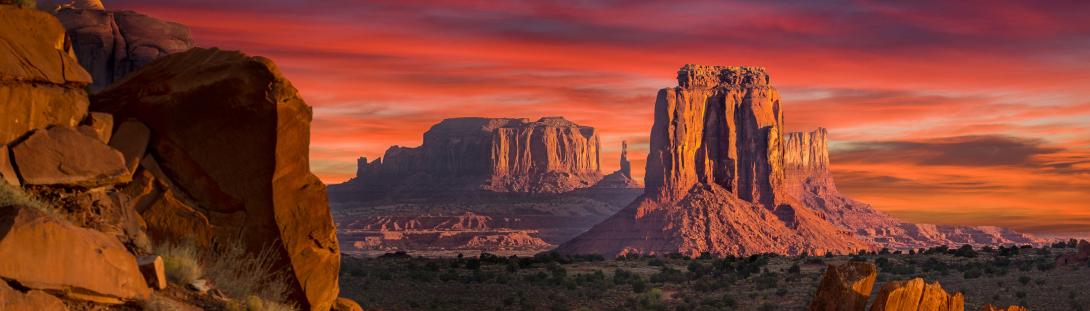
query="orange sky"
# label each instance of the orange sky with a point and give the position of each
(975, 113)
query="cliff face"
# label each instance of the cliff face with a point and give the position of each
(550, 155)
(110, 44)
(716, 177)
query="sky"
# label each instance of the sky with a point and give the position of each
(950, 112)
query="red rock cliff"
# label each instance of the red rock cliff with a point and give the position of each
(550, 155)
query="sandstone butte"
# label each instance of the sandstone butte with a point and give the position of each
(463, 155)
(808, 179)
(715, 178)
(228, 160)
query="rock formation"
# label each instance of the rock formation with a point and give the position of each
(808, 179)
(231, 137)
(715, 178)
(989, 307)
(551, 155)
(1081, 255)
(41, 82)
(622, 178)
(111, 44)
(916, 295)
(845, 287)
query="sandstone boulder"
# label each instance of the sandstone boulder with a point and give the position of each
(345, 304)
(231, 132)
(915, 294)
(33, 300)
(111, 44)
(845, 287)
(169, 212)
(100, 124)
(154, 271)
(63, 156)
(41, 252)
(41, 83)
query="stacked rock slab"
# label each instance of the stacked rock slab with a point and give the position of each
(41, 83)
(715, 178)
(462, 155)
(111, 44)
(845, 287)
(233, 136)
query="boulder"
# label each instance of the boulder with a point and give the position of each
(41, 252)
(33, 300)
(345, 304)
(41, 83)
(132, 140)
(62, 156)
(100, 124)
(7, 172)
(168, 212)
(154, 271)
(915, 294)
(231, 132)
(845, 287)
(111, 44)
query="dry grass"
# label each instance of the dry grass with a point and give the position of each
(241, 274)
(159, 303)
(12, 196)
(180, 260)
(254, 303)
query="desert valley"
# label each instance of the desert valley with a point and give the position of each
(141, 169)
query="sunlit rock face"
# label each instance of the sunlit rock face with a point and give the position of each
(715, 178)
(551, 155)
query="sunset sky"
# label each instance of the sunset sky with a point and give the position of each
(965, 112)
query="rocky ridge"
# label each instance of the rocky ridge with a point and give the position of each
(715, 178)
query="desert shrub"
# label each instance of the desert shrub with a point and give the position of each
(795, 269)
(240, 273)
(668, 275)
(180, 262)
(965, 251)
(15, 196)
(638, 285)
(767, 281)
(1024, 280)
(768, 306)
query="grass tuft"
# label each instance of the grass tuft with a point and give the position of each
(180, 260)
(239, 273)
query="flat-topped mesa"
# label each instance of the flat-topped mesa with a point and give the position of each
(721, 125)
(550, 155)
(701, 76)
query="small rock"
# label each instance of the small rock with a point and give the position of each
(845, 287)
(153, 270)
(101, 124)
(345, 304)
(7, 172)
(63, 156)
(132, 140)
(34, 300)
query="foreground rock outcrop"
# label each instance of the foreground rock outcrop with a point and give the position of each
(915, 294)
(41, 82)
(463, 155)
(809, 179)
(229, 148)
(845, 287)
(715, 177)
(111, 44)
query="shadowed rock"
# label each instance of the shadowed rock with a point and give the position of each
(845, 287)
(233, 135)
(7, 172)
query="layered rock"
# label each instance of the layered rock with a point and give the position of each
(231, 137)
(622, 178)
(715, 178)
(551, 155)
(845, 287)
(915, 294)
(45, 253)
(111, 44)
(808, 179)
(65, 156)
(41, 83)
